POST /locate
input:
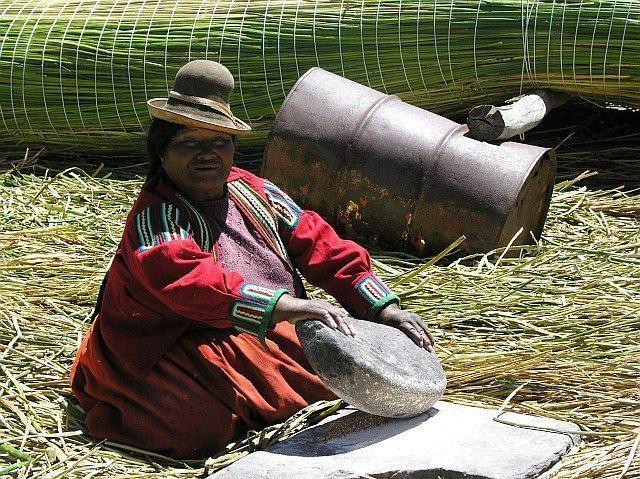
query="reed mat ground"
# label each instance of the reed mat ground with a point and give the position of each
(558, 324)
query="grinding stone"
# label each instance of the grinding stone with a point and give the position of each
(380, 370)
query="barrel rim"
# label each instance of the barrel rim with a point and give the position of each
(542, 220)
(276, 120)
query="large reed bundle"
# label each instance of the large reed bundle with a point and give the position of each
(77, 73)
(562, 320)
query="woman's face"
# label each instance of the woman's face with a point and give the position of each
(199, 161)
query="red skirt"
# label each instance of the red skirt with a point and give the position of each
(209, 389)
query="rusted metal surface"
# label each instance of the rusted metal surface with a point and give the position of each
(398, 177)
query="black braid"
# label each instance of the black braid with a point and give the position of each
(158, 136)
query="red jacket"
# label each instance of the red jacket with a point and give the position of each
(166, 274)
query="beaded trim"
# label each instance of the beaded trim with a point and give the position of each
(377, 294)
(287, 210)
(247, 316)
(252, 312)
(256, 293)
(203, 234)
(160, 223)
(372, 289)
(260, 214)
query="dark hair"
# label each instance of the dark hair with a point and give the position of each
(159, 135)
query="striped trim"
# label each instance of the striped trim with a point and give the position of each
(287, 210)
(247, 316)
(248, 311)
(383, 303)
(261, 215)
(160, 223)
(202, 233)
(256, 293)
(372, 289)
(377, 295)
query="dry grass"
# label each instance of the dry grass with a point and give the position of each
(562, 320)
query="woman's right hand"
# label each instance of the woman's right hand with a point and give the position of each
(291, 309)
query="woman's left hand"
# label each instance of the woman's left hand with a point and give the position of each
(410, 324)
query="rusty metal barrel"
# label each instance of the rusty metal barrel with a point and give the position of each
(398, 177)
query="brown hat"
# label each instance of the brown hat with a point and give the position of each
(200, 98)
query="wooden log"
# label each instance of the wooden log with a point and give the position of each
(488, 123)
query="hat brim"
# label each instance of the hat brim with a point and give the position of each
(219, 122)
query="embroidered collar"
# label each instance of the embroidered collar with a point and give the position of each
(248, 200)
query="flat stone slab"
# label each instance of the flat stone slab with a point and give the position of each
(448, 441)
(379, 370)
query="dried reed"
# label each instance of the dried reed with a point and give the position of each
(561, 319)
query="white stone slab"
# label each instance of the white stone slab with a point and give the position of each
(449, 440)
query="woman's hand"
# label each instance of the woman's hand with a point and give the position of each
(410, 324)
(291, 309)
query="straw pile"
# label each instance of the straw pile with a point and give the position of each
(559, 325)
(78, 73)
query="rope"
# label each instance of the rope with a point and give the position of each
(77, 85)
(526, 55)
(166, 45)
(553, 4)
(144, 54)
(6, 35)
(224, 28)
(193, 27)
(377, 18)
(564, 9)
(113, 80)
(535, 34)
(95, 71)
(215, 7)
(593, 41)
(295, 36)
(25, 60)
(244, 104)
(284, 93)
(264, 56)
(606, 51)
(475, 43)
(15, 50)
(364, 60)
(133, 101)
(453, 81)
(404, 70)
(424, 84)
(624, 33)
(340, 38)
(575, 41)
(313, 32)
(24, 69)
(435, 46)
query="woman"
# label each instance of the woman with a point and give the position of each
(194, 342)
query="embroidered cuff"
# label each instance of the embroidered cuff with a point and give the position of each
(253, 311)
(376, 293)
(383, 303)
